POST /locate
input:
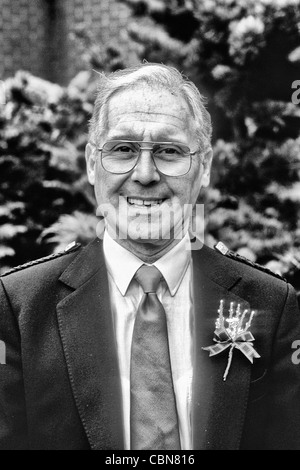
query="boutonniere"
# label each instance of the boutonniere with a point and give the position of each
(233, 332)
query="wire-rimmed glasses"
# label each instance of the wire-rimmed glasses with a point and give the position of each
(170, 158)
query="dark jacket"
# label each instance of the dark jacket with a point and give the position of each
(60, 387)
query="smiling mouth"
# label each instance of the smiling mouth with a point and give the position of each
(144, 202)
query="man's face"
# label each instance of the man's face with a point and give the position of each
(143, 199)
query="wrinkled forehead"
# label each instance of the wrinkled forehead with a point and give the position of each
(146, 103)
(143, 95)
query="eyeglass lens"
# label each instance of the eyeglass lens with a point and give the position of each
(171, 159)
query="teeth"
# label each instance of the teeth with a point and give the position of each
(138, 202)
(141, 202)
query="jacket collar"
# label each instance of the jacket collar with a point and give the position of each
(86, 329)
(87, 263)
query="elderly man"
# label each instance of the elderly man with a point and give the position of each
(145, 340)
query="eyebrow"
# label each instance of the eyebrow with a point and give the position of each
(159, 137)
(130, 134)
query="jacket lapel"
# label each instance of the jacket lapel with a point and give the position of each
(86, 329)
(218, 406)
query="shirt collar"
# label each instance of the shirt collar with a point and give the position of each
(172, 265)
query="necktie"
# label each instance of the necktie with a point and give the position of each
(153, 414)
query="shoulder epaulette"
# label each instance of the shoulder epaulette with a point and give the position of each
(222, 248)
(69, 249)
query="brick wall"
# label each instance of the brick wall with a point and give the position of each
(35, 35)
(22, 36)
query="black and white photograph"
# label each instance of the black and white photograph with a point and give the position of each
(150, 227)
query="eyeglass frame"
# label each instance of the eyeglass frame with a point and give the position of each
(139, 142)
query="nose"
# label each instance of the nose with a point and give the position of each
(145, 171)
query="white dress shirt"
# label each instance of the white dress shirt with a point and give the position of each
(175, 293)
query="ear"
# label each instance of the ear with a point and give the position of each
(90, 158)
(207, 160)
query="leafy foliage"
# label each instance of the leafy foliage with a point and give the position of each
(42, 136)
(45, 199)
(244, 57)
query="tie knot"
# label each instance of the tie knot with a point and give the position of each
(148, 277)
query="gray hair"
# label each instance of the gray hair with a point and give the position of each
(155, 75)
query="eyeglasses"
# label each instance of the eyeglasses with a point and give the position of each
(170, 158)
